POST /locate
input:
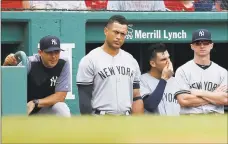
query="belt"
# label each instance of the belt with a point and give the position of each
(99, 112)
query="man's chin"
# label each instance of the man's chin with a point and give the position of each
(51, 65)
(203, 54)
(116, 47)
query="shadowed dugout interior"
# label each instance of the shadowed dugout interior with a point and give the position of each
(180, 53)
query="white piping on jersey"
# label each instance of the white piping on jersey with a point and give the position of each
(84, 83)
(181, 92)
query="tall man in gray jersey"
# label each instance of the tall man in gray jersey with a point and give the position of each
(48, 79)
(203, 82)
(108, 77)
(157, 85)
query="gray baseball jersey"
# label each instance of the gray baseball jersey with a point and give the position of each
(168, 105)
(191, 76)
(112, 79)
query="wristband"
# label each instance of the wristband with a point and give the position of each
(137, 98)
(36, 102)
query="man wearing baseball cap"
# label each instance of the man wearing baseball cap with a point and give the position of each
(203, 83)
(201, 35)
(48, 79)
(50, 43)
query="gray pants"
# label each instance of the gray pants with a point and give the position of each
(59, 109)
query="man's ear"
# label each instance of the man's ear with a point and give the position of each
(105, 31)
(212, 45)
(39, 52)
(191, 45)
(152, 63)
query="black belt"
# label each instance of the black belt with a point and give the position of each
(99, 112)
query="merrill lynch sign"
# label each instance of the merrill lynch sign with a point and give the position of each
(154, 34)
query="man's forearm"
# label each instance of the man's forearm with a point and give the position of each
(220, 99)
(137, 106)
(217, 98)
(52, 99)
(189, 100)
(197, 102)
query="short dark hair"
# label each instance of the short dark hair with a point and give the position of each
(117, 18)
(156, 48)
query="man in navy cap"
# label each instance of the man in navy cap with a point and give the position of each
(48, 79)
(203, 83)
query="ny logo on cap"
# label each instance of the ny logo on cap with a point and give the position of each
(53, 42)
(201, 33)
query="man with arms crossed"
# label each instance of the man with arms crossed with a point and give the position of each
(203, 82)
(108, 77)
(157, 86)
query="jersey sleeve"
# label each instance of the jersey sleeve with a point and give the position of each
(136, 82)
(182, 82)
(63, 83)
(85, 73)
(144, 89)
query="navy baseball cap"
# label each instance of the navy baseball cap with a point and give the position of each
(50, 43)
(201, 34)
